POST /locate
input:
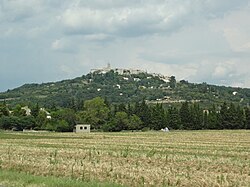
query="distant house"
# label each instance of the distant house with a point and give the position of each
(205, 111)
(82, 128)
(27, 110)
(48, 115)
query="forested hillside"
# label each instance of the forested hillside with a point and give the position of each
(124, 88)
(113, 102)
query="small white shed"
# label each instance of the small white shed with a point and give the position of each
(82, 128)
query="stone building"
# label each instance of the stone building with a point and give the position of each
(82, 128)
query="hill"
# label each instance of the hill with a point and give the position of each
(124, 86)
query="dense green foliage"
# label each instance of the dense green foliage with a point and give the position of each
(132, 102)
(117, 117)
(128, 88)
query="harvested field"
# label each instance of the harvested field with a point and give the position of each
(178, 158)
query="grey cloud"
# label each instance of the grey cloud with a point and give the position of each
(222, 72)
(121, 18)
(16, 11)
(120, 22)
(219, 8)
(60, 39)
(107, 4)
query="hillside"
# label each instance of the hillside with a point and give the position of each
(124, 87)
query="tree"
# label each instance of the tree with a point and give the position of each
(35, 110)
(173, 118)
(27, 122)
(196, 117)
(4, 111)
(6, 122)
(67, 115)
(185, 116)
(142, 110)
(122, 107)
(212, 119)
(224, 117)
(121, 121)
(41, 119)
(172, 82)
(62, 126)
(240, 120)
(158, 117)
(95, 112)
(205, 119)
(134, 122)
(49, 126)
(231, 117)
(247, 114)
(130, 110)
(11, 122)
(18, 111)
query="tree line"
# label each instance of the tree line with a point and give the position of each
(104, 116)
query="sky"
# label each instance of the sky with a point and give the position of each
(195, 40)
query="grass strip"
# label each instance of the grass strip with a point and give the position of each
(10, 178)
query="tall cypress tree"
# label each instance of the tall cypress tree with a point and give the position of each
(205, 120)
(196, 117)
(213, 119)
(185, 116)
(239, 118)
(143, 112)
(247, 114)
(224, 117)
(173, 118)
(158, 117)
(231, 117)
(35, 110)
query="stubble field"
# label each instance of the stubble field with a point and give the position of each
(177, 158)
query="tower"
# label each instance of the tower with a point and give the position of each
(109, 66)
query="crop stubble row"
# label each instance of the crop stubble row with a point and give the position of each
(181, 158)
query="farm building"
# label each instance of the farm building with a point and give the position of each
(82, 128)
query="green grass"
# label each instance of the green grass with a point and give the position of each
(10, 178)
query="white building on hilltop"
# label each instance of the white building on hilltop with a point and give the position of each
(102, 70)
(120, 71)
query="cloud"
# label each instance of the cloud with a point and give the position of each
(232, 72)
(118, 18)
(196, 40)
(235, 29)
(98, 37)
(133, 19)
(16, 11)
(223, 70)
(128, 21)
(57, 45)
